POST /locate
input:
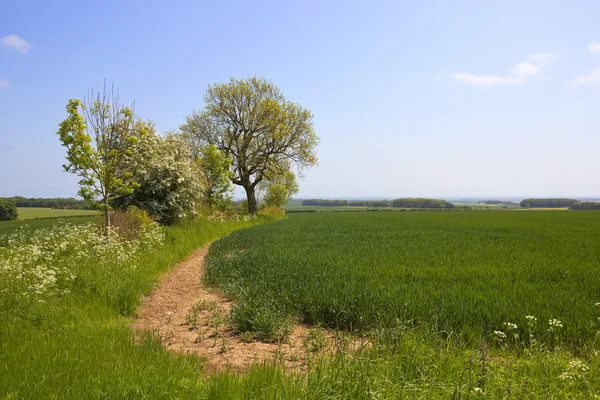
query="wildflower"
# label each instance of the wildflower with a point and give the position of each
(530, 318)
(499, 335)
(510, 326)
(555, 323)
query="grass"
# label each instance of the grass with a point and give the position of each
(26, 213)
(7, 227)
(80, 345)
(465, 273)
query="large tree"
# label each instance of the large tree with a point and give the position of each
(98, 147)
(257, 127)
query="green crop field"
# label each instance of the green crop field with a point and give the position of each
(462, 272)
(26, 213)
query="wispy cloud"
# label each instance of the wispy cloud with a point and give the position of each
(17, 43)
(590, 80)
(4, 84)
(594, 48)
(520, 73)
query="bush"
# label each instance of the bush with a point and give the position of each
(8, 210)
(272, 210)
(130, 224)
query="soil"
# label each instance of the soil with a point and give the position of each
(191, 318)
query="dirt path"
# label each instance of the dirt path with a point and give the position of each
(191, 318)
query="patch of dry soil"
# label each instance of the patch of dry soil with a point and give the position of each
(169, 312)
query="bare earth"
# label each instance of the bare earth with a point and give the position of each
(166, 310)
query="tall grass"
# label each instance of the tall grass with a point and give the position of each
(80, 345)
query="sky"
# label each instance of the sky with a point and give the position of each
(431, 99)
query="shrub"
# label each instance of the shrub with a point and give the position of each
(8, 210)
(130, 224)
(272, 210)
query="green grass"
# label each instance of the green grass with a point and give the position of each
(463, 272)
(81, 346)
(25, 213)
(8, 227)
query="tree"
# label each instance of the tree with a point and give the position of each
(169, 180)
(216, 176)
(257, 127)
(98, 147)
(8, 210)
(277, 195)
(287, 179)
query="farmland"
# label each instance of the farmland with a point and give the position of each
(26, 213)
(425, 290)
(465, 273)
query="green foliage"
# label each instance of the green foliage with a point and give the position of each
(370, 203)
(216, 175)
(98, 147)
(421, 203)
(276, 196)
(465, 273)
(257, 128)
(56, 203)
(8, 210)
(168, 179)
(324, 202)
(586, 205)
(548, 203)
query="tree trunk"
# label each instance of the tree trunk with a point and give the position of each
(106, 216)
(251, 196)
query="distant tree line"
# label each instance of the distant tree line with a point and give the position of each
(418, 202)
(370, 203)
(69, 203)
(398, 203)
(324, 202)
(500, 202)
(548, 203)
(586, 205)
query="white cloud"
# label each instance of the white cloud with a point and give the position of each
(590, 80)
(520, 73)
(4, 84)
(17, 43)
(526, 69)
(594, 48)
(485, 80)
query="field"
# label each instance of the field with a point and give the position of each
(465, 273)
(26, 213)
(425, 295)
(7, 227)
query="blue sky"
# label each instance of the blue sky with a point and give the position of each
(445, 99)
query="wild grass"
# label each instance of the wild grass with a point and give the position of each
(80, 345)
